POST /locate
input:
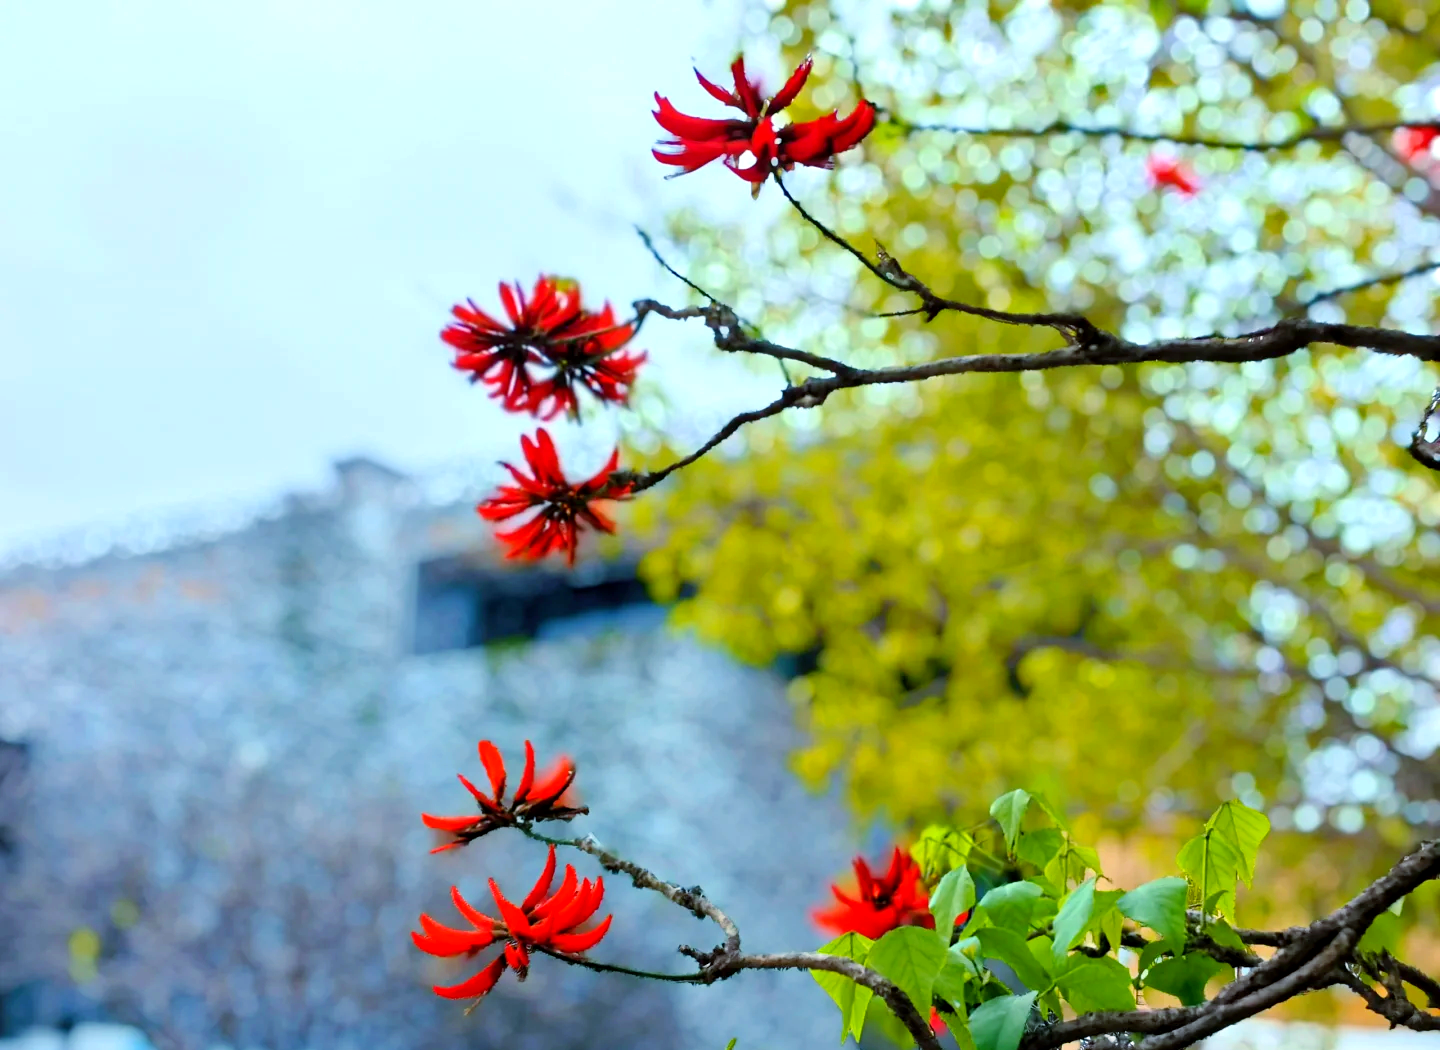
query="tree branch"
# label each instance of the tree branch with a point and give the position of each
(1325, 133)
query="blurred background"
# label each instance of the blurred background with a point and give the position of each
(250, 625)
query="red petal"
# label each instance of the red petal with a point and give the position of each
(480, 796)
(477, 918)
(514, 919)
(552, 784)
(786, 94)
(574, 943)
(696, 129)
(476, 986)
(507, 299)
(449, 823)
(494, 764)
(560, 899)
(527, 775)
(717, 92)
(542, 884)
(745, 89)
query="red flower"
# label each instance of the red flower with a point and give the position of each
(563, 507)
(936, 1025)
(547, 923)
(546, 798)
(1168, 171)
(1414, 143)
(699, 140)
(883, 903)
(550, 331)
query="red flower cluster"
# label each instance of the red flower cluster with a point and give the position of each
(549, 331)
(1413, 144)
(772, 145)
(542, 921)
(545, 798)
(562, 507)
(1174, 173)
(882, 903)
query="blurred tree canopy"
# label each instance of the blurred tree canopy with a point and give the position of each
(1139, 590)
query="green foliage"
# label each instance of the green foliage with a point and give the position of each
(1185, 976)
(1074, 917)
(955, 894)
(1009, 810)
(999, 1023)
(852, 999)
(1011, 948)
(1095, 984)
(1159, 905)
(1221, 854)
(912, 957)
(939, 849)
(1137, 591)
(1060, 945)
(1010, 906)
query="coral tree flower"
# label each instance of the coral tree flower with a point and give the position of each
(536, 798)
(1413, 144)
(542, 921)
(1172, 173)
(563, 508)
(768, 143)
(882, 902)
(551, 347)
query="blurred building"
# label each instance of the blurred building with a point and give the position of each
(215, 751)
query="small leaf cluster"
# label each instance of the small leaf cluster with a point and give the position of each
(1046, 928)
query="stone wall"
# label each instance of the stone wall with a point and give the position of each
(229, 743)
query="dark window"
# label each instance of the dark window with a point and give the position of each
(459, 605)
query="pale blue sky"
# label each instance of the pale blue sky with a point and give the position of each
(231, 232)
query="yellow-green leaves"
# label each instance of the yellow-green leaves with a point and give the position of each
(1222, 854)
(1008, 811)
(1011, 905)
(999, 1023)
(1074, 918)
(939, 849)
(1159, 905)
(1095, 984)
(955, 894)
(912, 957)
(852, 999)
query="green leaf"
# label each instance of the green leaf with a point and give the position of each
(912, 957)
(950, 984)
(1222, 854)
(1184, 977)
(1246, 828)
(1159, 905)
(1011, 948)
(1096, 984)
(731, 1044)
(1000, 1023)
(1383, 934)
(1222, 934)
(1010, 906)
(1073, 918)
(954, 895)
(939, 849)
(1039, 846)
(966, 952)
(1106, 920)
(1051, 812)
(1153, 951)
(1009, 810)
(1071, 863)
(879, 1018)
(852, 999)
